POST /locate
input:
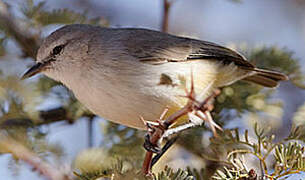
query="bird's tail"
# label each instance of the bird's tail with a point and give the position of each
(267, 78)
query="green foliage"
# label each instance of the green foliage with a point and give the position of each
(279, 59)
(96, 162)
(197, 174)
(16, 106)
(170, 174)
(120, 172)
(124, 142)
(32, 139)
(289, 158)
(298, 117)
(236, 172)
(297, 133)
(39, 16)
(288, 154)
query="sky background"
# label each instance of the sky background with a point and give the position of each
(254, 23)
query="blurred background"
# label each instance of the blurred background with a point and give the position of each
(42, 119)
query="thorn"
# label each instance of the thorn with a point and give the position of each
(164, 113)
(208, 114)
(217, 92)
(149, 146)
(210, 107)
(143, 120)
(153, 123)
(192, 81)
(149, 123)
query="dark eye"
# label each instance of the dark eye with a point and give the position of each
(57, 49)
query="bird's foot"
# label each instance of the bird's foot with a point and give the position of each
(155, 131)
(154, 136)
(153, 139)
(155, 148)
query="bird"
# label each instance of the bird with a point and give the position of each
(121, 74)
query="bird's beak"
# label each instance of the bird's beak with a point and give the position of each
(37, 68)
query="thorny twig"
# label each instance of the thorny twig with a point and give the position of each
(156, 130)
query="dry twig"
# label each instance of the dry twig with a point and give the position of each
(165, 15)
(20, 152)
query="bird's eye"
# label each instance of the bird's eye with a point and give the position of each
(57, 49)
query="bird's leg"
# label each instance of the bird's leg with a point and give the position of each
(155, 131)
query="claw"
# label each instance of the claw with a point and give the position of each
(212, 122)
(164, 113)
(150, 146)
(154, 128)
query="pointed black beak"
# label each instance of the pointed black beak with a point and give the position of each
(38, 67)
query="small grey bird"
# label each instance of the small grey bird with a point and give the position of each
(123, 73)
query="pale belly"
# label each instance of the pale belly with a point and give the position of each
(127, 95)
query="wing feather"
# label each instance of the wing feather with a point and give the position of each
(162, 48)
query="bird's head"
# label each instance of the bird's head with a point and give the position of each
(62, 51)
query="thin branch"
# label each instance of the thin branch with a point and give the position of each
(147, 163)
(59, 114)
(54, 115)
(20, 152)
(253, 153)
(46, 117)
(90, 131)
(165, 15)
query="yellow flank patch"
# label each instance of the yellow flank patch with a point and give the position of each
(206, 77)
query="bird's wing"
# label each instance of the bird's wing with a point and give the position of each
(162, 48)
(206, 50)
